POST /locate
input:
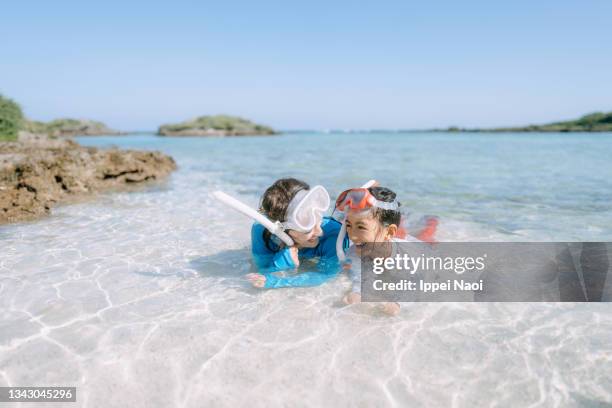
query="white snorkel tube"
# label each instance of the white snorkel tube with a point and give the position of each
(340, 240)
(275, 228)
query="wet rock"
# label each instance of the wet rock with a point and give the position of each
(38, 172)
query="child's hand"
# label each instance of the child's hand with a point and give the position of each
(390, 308)
(257, 280)
(352, 298)
(294, 256)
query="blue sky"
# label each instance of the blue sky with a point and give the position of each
(315, 64)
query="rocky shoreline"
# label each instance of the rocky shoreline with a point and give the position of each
(38, 172)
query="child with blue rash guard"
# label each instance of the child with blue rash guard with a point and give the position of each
(272, 257)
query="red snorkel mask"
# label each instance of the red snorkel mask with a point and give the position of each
(359, 199)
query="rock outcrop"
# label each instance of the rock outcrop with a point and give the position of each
(37, 172)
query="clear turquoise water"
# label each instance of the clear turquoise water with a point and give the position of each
(138, 298)
(514, 186)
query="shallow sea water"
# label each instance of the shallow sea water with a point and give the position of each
(138, 299)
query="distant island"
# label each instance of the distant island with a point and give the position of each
(13, 121)
(69, 127)
(594, 122)
(217, 125)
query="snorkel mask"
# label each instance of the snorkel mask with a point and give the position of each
(306, 209)
(359, 199)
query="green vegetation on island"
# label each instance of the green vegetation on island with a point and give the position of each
(11, 119)
(69, 127)
(594, 122)
(218, 125)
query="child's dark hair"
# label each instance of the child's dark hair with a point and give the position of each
(275, 201)
(385, 217)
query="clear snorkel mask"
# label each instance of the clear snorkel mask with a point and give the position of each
(306, 209)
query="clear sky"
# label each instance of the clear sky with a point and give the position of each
(309, 64)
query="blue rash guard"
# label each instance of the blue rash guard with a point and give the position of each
(275, 259)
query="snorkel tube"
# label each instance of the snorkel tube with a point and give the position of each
(340, 240)
(275, 228)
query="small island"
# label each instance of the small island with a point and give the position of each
(70, 127)
(594, 122)
(217, 125)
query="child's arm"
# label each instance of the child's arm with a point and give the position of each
(327, 269)
(304, 279)
(266, 259)
(355, 275)
(281, 260)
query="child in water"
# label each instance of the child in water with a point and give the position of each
(372, 215)
(299, 209)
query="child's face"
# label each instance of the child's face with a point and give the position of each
(307, 239)
(362, 227)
